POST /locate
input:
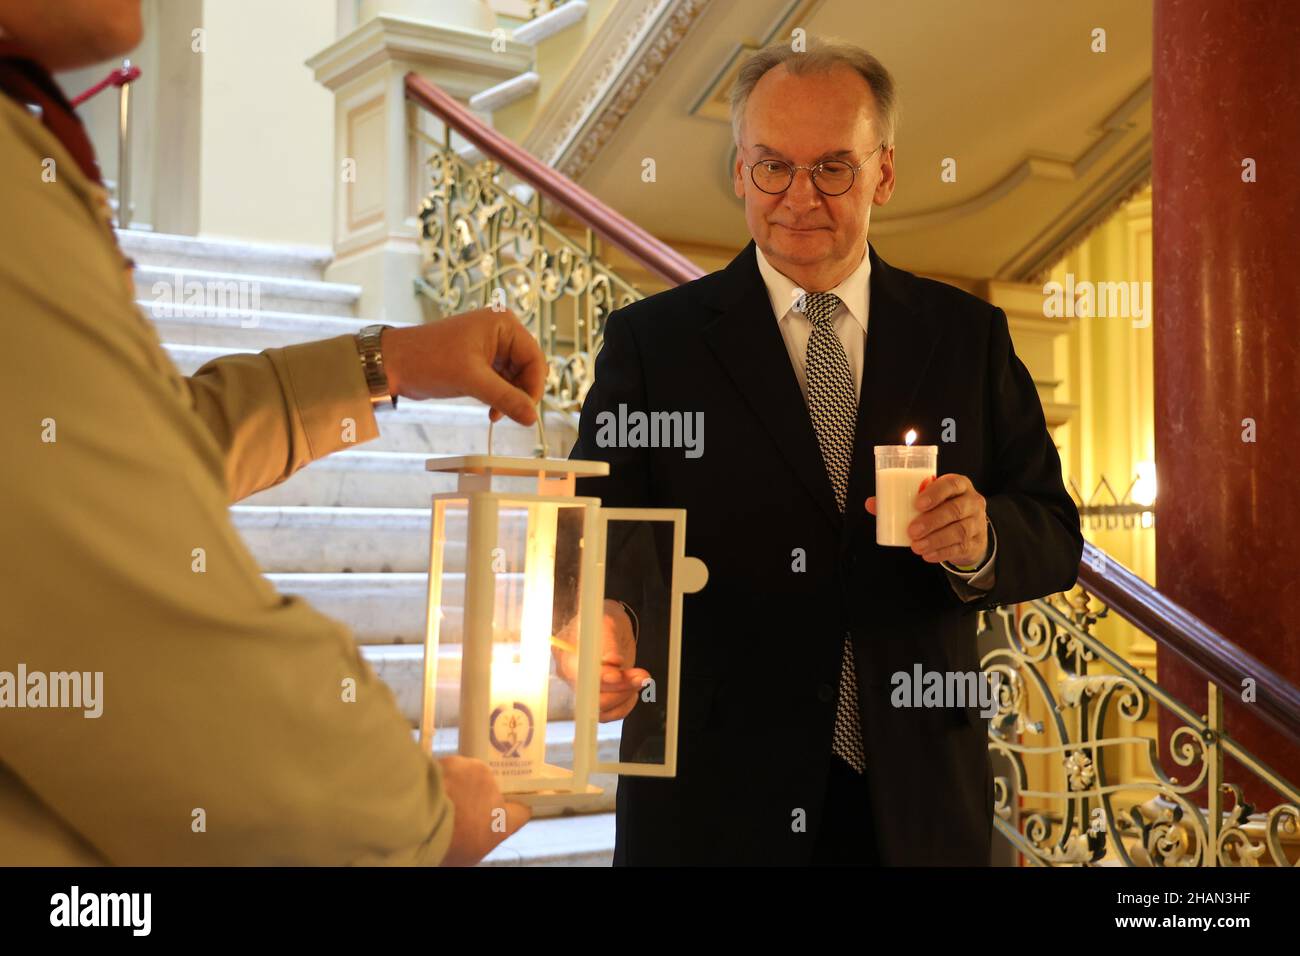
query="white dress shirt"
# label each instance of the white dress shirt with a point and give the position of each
(850, 323)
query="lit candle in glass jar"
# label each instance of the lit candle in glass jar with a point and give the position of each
(900, 470)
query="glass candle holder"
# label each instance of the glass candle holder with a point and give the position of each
(900, 469)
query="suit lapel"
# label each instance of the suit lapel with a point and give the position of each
(900, 340)
(747, 344)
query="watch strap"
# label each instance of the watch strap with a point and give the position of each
(372, 365)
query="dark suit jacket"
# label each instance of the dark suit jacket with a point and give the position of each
(762, 642)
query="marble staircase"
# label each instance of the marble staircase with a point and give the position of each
(350, 533)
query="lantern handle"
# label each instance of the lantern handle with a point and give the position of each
(541, 432)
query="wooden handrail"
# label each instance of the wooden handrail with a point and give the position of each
(1277, 700)
(610, 225)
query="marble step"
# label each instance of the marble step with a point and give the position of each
(382, 479)
(363, 478)
(387, 479)
(379, 608)
(461, 428)
(210, 332)
(353, 540)
(581, 840)
(337, 539)
(183, 289)
(224, 255)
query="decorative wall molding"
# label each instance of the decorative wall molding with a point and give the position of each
(714, 102)
(1073, 236)
(631, 46)
(363, 127)
(1116, 129)
(1122, 146)
(464, 60)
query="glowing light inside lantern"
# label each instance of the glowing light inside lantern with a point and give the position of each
(521, 671)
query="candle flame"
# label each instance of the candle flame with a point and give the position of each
(910, 437)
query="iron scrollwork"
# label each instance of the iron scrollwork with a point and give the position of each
(1084, 814)
(483, 246)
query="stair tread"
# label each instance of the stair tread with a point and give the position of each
(266, 318)
(582, 839)
(139, 242)
(270, 285)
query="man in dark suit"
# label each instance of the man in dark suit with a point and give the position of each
(801, 355)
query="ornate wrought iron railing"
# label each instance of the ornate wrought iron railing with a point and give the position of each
(489, 242)
(1069, 709)
(483, 246)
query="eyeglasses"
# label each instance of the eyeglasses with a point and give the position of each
(832, 178)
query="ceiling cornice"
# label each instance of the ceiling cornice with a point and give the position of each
(1073, 227)
(1117, 128)
(630, 47)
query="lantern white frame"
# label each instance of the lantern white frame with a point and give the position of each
(555, 485)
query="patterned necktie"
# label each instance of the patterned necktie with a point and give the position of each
(833, 406)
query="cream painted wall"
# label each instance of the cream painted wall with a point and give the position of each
(267, 143)
(99, 114)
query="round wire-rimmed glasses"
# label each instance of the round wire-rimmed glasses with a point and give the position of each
(833, 177)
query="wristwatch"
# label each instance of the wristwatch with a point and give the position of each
(372, 364)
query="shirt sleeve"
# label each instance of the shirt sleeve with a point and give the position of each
(236, 725)
(273, 412)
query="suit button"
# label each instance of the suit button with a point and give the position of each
(825, 693)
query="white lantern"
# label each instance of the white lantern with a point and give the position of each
(513, 646)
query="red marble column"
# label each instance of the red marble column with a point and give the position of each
(1227, 344)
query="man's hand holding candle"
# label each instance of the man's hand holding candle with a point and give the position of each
(620, 678)
(952, 524)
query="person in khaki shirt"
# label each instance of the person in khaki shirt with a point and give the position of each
(219, 694)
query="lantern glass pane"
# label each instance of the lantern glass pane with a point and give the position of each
(445, 625)
(638, 573)
(536, 600)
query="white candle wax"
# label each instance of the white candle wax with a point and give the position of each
(896, 491)
(900, 470)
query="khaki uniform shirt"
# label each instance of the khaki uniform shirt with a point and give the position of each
(226, 735)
